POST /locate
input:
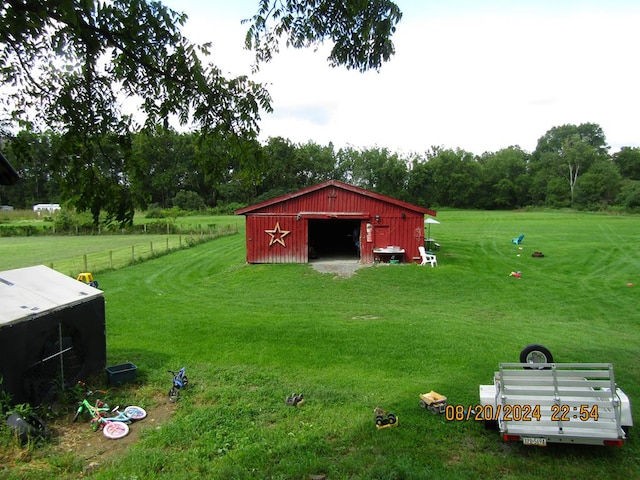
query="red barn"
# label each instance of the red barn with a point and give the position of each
(333, 219)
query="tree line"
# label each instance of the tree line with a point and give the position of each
(570, 167)
(66, 68)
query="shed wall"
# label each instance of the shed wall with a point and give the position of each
(29, 370)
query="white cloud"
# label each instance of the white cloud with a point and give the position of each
(481, 80)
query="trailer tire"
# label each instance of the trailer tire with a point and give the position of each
(534, 353)
(490, 424)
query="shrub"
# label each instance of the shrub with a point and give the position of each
(187, 200)
(155, 212)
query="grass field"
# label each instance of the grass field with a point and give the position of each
(74, 254)
(250, 335)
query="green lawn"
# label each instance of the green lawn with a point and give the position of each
(74, 254)
(250, 335)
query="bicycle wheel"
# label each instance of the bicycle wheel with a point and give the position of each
(135, 413)
(115, 430)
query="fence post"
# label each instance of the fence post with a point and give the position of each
(111, 259)
(133, 254)
(86, 268)
(167, 244)
(151, 248)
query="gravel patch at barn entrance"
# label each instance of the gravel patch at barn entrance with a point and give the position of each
(340, 267)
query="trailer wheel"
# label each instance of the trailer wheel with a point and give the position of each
(490, 424)
(626, 429)
(535, 353)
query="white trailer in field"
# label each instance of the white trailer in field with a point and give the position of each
(539, 402)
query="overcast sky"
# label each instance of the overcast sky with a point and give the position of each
(479, 75)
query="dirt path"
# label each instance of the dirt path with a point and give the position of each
(94, 448)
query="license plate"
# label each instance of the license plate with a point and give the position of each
(535, 441)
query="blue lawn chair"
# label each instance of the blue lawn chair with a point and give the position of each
(518, 240)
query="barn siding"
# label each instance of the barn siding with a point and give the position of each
(402, 222)
(259, 250)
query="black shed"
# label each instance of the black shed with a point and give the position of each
(52, 332)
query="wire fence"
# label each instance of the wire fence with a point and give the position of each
(113, 259)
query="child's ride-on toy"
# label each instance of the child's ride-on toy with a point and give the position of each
(384, 419)
(294, 400)
(433, 401)
(87, 277)
(180, 381)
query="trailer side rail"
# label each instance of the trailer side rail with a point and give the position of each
(569, 402)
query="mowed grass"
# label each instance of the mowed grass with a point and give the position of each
(74, 254)
(250, 335)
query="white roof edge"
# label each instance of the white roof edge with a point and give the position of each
(33, 291)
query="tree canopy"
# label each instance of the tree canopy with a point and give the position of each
(360, 30)
(181, 170)
(69, 63)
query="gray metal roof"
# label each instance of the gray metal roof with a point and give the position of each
(34, 291)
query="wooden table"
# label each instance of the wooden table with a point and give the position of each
(430, 244)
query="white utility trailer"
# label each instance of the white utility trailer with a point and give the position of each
(541, 403)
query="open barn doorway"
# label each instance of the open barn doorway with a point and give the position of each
(334, 239)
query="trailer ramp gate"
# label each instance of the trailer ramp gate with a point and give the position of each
(570, 402)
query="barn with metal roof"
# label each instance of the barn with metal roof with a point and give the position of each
(333, 219)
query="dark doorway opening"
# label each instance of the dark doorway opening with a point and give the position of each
(334, 238)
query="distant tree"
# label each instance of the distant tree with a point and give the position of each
(419, 187)
(167, 160)
(247, 172)
(346, 160)
(32, 155)
(381, 171)
(628, 161)
(590, 133)
(317, 162)
(455, 176)
(556, 193)
(281, 169)
(568, 151)
(629, 195)
(504, 179)
(599, 187)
